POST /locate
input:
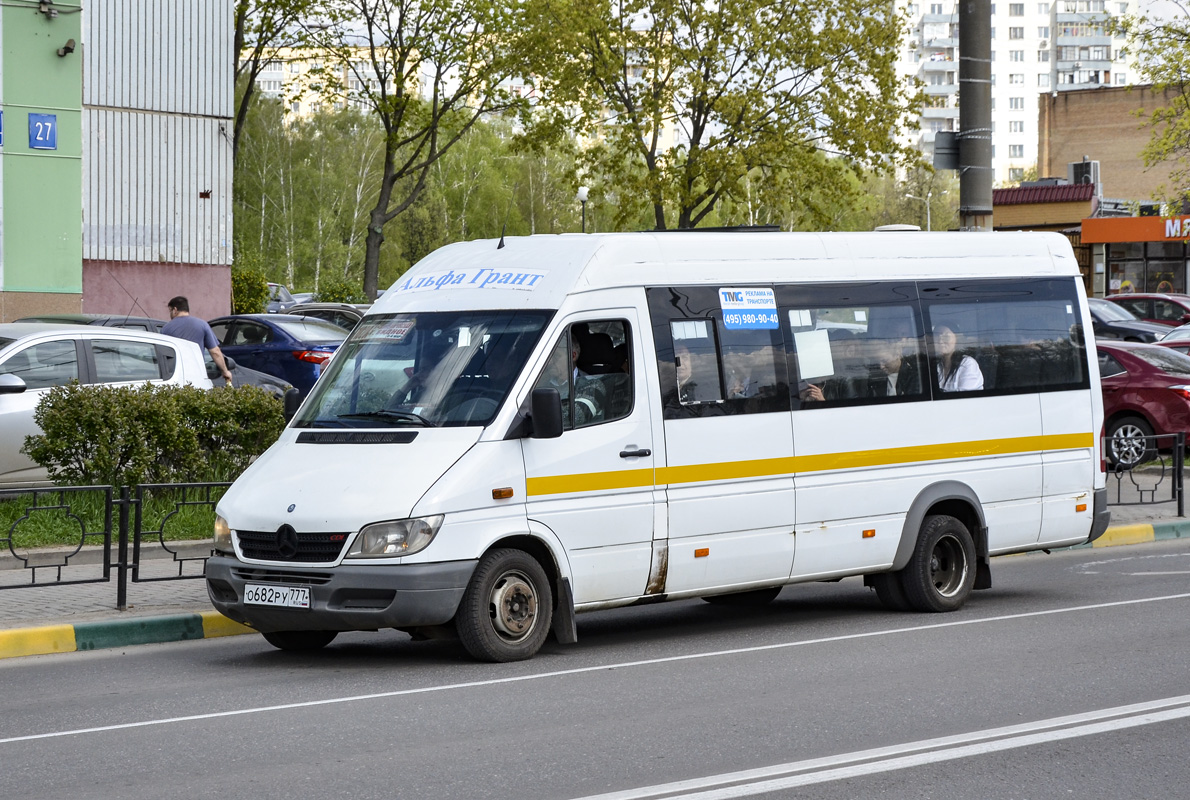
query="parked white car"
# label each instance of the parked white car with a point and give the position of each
(35, 357)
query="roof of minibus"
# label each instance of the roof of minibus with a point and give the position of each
(541, 271)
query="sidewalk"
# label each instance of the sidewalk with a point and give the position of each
(61, 619)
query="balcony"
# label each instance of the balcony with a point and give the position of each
(943, 90)
(939, 113)
(939, 66)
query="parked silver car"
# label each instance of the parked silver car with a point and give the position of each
(35, 357)
(345, 315)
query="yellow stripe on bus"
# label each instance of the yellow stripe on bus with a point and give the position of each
(773, 467)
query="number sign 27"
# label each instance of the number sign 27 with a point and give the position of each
(43, 131)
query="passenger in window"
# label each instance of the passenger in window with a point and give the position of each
(684, 366)
(956, 372)
(900, 373)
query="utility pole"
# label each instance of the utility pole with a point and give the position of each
(975, 115)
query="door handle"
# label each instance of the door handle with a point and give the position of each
(635, 453)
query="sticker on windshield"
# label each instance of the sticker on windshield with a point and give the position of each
(748, 309)
(396, 330)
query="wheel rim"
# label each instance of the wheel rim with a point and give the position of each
(1128, 444)
(513, 606)
(948, 566)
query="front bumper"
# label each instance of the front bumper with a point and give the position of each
(343, 598)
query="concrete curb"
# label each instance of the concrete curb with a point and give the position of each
(68, 638)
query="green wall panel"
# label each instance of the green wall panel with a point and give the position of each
(42, 189)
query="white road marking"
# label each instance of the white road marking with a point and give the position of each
(582, 670)
(1173, 572)
(905, 756)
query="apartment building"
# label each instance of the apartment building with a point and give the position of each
(1038, 49)
(296, 77)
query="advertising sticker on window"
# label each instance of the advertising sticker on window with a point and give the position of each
(748, 309)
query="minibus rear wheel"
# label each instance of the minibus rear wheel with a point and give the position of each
(507, 608)
(300, 640)
(941, 571)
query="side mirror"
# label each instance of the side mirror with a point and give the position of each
(546, 408)
(11, 384)
(292, 400)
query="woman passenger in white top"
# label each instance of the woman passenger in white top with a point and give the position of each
(955, 374)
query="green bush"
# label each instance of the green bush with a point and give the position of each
(124, 436)
(249, 289)
(339, 290)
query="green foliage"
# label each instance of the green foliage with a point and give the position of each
(684, 101)
(249, 288)
(339, 290)
(124, 436)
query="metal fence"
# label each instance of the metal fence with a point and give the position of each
(76, 535)
(1150, 470)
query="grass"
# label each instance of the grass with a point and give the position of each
(32, 519)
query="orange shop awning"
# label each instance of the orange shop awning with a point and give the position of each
(1106, 230)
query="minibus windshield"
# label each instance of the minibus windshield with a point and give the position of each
(424, 369)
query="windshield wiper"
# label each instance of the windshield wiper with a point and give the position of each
(389, 414)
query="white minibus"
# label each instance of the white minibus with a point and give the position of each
(521, 431)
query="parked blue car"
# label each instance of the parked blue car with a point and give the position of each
(290, 347)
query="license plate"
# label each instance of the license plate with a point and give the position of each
(287, 596)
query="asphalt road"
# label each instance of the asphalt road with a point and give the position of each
(1067, 679)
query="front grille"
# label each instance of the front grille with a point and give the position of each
(310, 547)
(276, 576)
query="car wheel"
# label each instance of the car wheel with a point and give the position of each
(507, 608)
(756, 597)
(300, 640)
(941, 571)
(1127, 442)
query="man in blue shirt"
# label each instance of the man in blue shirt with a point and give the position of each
(183, 326)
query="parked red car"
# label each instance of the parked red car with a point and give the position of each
(1164, 309)
(1146, 391)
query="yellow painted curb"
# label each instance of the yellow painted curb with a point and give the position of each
(37, 641)
(1125, 534)
(215, 624)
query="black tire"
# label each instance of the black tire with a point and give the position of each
(889, 590)
(756, 597)
(507, 608)
(1126, 446)
(941, 571)
(300, 640)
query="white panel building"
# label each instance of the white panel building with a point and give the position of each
(158, 99)
(1037, 48)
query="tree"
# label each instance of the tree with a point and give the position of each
(1162, 51)
(681, 99)
(261, 26)
(428, 70)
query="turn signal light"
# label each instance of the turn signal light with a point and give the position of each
(502, 494)
(702, 552)
(1081, 507)
(868, 534)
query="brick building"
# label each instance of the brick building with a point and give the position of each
(1101, 124)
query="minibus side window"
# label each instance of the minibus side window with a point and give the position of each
(590, 366)
(1005, 337)
(710, 365)
(854, 345)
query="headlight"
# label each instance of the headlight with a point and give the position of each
(223, 535)
(396, 538)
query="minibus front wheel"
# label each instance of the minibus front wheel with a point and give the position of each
(507, 608)
(941, 572)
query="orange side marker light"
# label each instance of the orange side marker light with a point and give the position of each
(702, 552)
(869, 533)
(502, 494)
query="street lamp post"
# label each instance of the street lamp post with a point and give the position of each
(583, 191)
(926, 200)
